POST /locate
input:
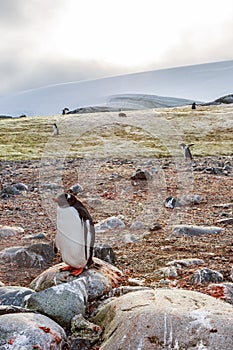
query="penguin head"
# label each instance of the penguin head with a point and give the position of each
(65, 200)
(182, 145)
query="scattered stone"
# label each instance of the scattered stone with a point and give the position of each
(136, 282)
(115, 177)
(223, 291)
(10, 190)
(50, 186)
(226, 221)
(61, 302)
(105, 252)
(169, 272)
(128, 238)
(190, 199)
(121, 114)
(84, 329)
(189, 262)
(21, 187)
(6, 231)
(35, 236)
(137, 225)
(166, 318)
(205, 276)
(94, 202)
(30, 331)
(155, 227)
(142, 175)
(75, 189)
(36, 255)
(109, 223)
(14, 295)
(81, 344)
(191, 230)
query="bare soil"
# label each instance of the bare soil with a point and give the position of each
(108, 190)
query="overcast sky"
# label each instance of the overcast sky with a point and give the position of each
(45, 42)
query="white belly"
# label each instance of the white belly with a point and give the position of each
(70, 238)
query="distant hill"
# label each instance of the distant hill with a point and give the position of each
(133, 102)
(203, 82)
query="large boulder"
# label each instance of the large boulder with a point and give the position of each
(37, 255)
(166, 319)
(100, 279)
(61, 302)
(30, 331)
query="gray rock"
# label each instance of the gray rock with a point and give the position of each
(169, 272)
(144, 175)
(14, 295)
(109, 223)
(10, 309)
(11, 190)
(35, 236)
(166, 319)
(81, 344)
(29, 331)
(61, 302)
(84, 329)
(128, 238)
(75, 189)
(155, 227)
(205, 276)
(36, 255)
(6, 231)
(21, 187)
(189, 262)
(191, 230)
(190, 199)
(105, 252)
(100, 279)
(225, 221)
(137, 225)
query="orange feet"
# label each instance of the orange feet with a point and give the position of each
(73, 270)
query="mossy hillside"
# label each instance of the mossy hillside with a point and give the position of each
(148, 133)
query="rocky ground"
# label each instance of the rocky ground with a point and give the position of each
(108, 190)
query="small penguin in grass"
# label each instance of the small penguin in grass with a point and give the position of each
(75, 236)
(186, 151)
(55, 129)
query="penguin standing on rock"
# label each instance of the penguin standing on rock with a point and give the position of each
(186, 151)
(75, 236)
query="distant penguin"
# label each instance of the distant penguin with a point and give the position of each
(194, 105)
(65, 111)
(75, 236)
(186, 151)
(55, 129)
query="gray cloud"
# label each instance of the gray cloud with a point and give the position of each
(45, 72)
(26, 24)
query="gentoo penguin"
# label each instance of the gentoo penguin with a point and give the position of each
(194, 105)
(55, 129)
(75, 236)
(186, 151)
